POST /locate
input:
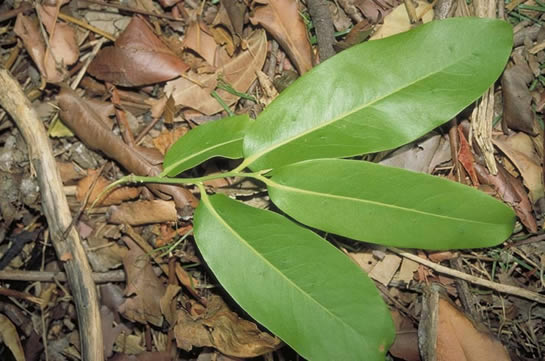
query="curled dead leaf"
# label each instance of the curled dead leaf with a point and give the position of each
(519, 148)
(139, 57)
(144, 287)
(27, 29)
(63, 44)
(223, 329)
(10, 338)
(143, 212)
(116, 196)
(92, 130)
(281, 18)
(511, 191)
(447, 334)
(239, 72)
(199, 39)
(405, 344)
(398, 20)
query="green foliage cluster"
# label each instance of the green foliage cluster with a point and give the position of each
(372, 97)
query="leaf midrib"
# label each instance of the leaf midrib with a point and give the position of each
(206, 200)
(251, 159)
(194, 155)
(272, 183)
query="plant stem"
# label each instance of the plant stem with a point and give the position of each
(202, 190)
(245, 163)
(166, 180)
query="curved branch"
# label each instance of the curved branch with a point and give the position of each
(55, 208)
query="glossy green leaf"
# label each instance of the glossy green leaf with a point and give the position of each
(292, 281)
(381, 94)
(389, 206)
(220, 138)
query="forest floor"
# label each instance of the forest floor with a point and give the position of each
(91, 92)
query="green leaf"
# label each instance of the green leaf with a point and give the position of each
(389, 206)
(292, 281)
(221, 138)
(380, 94)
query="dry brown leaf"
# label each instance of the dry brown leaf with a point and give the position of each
(27, 29)
(385, 269)
(110, 330)
(115, 196)
(511, 191)
(364, 259)
(143, 212)
(416, 156)
(10, 338)
(63, 45)
(92, 130)
(281, 18)
(168, 303)
(158, 107)
(341, 21)
(406, 271)
(199, 39)
(189, 282)
(139, 57)
(519, 148)
(190, 333)
(458, 339)
(165, 140)
(240, 73)
(223, 37)
(144, 288)
(375, 10)
(104, 254)
(405, 344)
(269, 91)
(465, 156)
(358, 34)
(146, 5)
(398, 20)
(228, 24)
(441, 256)
(517, 111)
(235, 11)
(221, 328)
(69, 172)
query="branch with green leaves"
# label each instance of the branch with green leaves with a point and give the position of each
(372, 97)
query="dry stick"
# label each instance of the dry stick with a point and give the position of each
(323, 24)
(512, 290)
(22, 295)
(39, 276)
(87, 26)
(57, 213)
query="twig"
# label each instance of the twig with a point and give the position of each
(22, 295)
(39, 276)
(87, 26)
(512, 290)
(532, 239)
(83, 70)
(323, 24)
(56, 210)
